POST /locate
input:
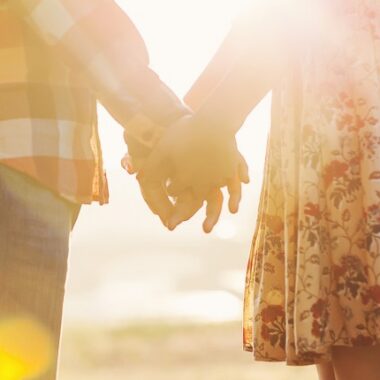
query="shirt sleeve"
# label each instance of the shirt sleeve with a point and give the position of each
(97, 38)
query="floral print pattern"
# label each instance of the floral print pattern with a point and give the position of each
(313, 278)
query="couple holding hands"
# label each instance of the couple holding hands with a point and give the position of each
(312, 289)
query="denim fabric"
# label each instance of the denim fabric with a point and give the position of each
(35, 226)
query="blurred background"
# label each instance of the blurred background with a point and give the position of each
(144, 303)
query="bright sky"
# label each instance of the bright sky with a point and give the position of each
(182, 36)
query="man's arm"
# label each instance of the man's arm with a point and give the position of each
(97, 39)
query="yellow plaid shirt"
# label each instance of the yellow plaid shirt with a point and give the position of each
(57, 58)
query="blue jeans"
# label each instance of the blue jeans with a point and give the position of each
(35, 226)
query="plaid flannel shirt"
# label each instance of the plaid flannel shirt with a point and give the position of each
(57, 58)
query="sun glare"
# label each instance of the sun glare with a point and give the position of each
(206, 306)
(25, 349)
(181, 36)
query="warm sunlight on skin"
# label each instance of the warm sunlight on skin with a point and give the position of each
(182, 36)
(25, 349)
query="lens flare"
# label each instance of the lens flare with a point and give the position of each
(26, 349)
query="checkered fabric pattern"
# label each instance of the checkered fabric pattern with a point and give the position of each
(57, 58)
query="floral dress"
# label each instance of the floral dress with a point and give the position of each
(313, 278)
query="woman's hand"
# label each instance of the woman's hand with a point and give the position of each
(186, 205)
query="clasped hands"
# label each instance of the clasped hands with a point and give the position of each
(188, 167)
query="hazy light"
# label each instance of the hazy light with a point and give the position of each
(206, 306)
(226, 230)
(182, 36)
(175, 306)
(234, 280)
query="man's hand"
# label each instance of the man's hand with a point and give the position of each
(191, 165)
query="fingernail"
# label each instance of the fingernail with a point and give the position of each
(233, 208)
(206, 228)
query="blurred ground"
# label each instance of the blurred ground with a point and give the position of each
(166, 352)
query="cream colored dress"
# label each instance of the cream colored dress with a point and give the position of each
(313, 278)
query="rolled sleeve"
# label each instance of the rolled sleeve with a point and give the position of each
(97, 39)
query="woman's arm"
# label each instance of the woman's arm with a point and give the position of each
(250, 61)
(216, 69)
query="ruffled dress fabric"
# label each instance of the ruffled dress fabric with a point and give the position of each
(313, 278)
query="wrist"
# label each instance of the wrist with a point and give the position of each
(214, 126)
